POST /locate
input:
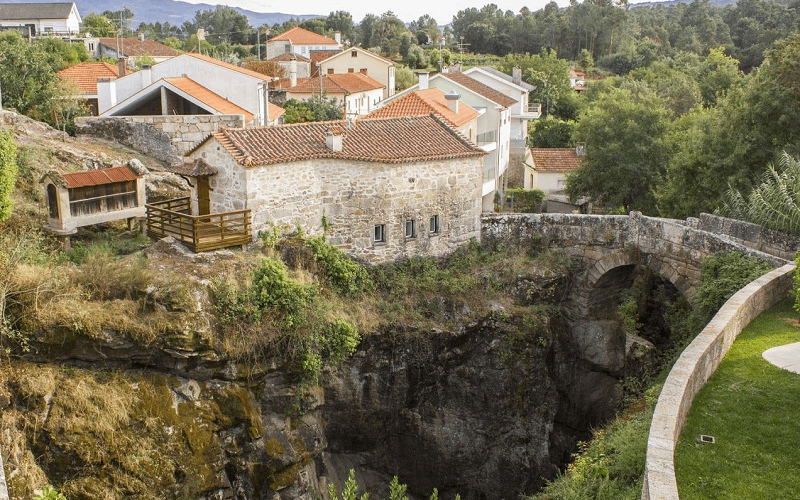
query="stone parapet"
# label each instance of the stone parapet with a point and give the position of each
(693, 369)
(751, 235)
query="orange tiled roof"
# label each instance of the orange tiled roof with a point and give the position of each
(555, 159)
(287, 56)
(85, 74)
(423, 102)
(99, 176)
(318, 56)
(209, 97)
(392, 140)
(340, 83)
(300, 36)
(481, 88)
(229, 66)
(135, 47)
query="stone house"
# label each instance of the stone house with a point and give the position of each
(388, 188)
(36, 19)
(301, 42)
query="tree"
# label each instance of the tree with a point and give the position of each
(8, 172)
(223, 24)
(314, 109)
(98, 25)
(28, 74)
(342, 22)
(551, 133)
(626, 151)
(404, 78)
(546, 72)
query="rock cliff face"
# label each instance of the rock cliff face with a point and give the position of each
(488, 410)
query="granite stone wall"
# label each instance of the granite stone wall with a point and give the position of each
(354, 197)
(166, 138)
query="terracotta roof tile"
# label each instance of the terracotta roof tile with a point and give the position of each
(135, 47)
(300, 36)
(85, 74)
(197, 168)
(481, 88)
(555, 159)
(339, 83)
(318, 56)
(424, 102)
(100, 176)
(206, 96)
(393, 140)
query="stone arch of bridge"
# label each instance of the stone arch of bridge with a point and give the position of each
(613, 270)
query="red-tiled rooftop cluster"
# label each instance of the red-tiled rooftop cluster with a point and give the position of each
(340, 83)
(555, 159)
(85, 74)
(393, 140)
(424, 102)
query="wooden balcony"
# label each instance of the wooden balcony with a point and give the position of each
(200, 233)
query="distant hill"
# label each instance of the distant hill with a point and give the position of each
(172, 11)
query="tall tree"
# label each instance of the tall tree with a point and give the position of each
(626, 152)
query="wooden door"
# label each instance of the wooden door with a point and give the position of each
(203, 196)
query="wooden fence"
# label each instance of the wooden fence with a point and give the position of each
(200, 233)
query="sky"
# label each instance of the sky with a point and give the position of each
(406, 10)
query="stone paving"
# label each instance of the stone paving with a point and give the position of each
(785, 356)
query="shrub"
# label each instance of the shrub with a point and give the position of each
(274, 289)
(525, 200)
(344, 275)
(8, 172)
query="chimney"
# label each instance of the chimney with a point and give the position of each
(337, 35)
(334, 139)
(516, 75)
(293, 71)
(423, 80)
(141, 36)
(452, 101)
(147, 76)
(122, 66)
(106, 94)
(580, 149)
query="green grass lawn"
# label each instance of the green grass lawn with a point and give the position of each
(752, 409)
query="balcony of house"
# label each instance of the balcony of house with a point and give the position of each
(531, 112)
(487, 141)
(199, 233)
(489, 180)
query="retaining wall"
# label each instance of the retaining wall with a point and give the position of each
(693, 369)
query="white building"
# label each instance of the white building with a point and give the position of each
(358, 60)
(37, 19)
(301, 42)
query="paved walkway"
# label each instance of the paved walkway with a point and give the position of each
(785, 356)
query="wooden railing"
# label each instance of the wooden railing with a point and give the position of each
(200, 233)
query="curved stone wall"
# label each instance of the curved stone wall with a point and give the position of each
(693, 369)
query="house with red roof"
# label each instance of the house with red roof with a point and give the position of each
(493, 129)
(130, 49)
(387, 188)
(357, 93)
(358, 60)
(301, 42)
(189, 84)
(548, 172)
(84, 77)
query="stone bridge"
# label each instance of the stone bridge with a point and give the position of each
(610, 245)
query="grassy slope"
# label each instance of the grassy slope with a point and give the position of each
(751, 408)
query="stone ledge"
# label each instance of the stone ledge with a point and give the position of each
(703, 355)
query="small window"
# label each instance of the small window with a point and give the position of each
(379, 234)
(411, 229)
(351, 70)
(363, 71)
(330, 71)
(353, 53)
(434, 224)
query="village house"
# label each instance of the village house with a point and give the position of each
(84, 77)
(301, 42)
(387, 188)
(358, 60)
(493, 129)
(358, 93)
(577, 80)
(548, 172)
(189, 84)
(37, 19)
(289, 62)
(448, 107)
(132, 50)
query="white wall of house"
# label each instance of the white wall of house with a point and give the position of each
(519, 111)
(359, 60)
(278, 47)
(355, 197)
(238, 88)
(68, 25)
(549, 182)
